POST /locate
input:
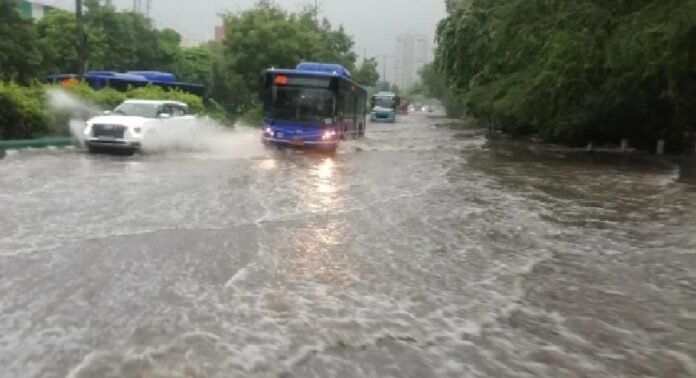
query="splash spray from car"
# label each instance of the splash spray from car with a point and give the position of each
(149, 127)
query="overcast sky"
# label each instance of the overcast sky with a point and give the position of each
(374, 24)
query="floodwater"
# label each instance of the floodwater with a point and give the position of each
(420, 251)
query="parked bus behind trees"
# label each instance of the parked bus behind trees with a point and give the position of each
(315, 105)
(122, 81)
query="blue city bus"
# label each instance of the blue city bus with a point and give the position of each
(121, 81)
(384, 107)
(313, 105)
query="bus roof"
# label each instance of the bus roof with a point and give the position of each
(316, 70)
(289, 71)
(136, 78)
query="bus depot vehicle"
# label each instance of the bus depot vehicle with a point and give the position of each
(313, 105)
(384, 107)
(124, 128)
(122, 81)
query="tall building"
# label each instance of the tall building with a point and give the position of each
(219, 33)
(412, 53)
(33, 9)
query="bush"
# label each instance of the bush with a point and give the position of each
(109, 98)
(215, 111)
(35, 111)
(22, 114)
(253, 116)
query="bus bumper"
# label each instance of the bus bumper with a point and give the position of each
(324, 144)
(382, 117)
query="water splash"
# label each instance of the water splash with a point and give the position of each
(201, 135)
(74, 110)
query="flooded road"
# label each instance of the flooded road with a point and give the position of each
(420, 251)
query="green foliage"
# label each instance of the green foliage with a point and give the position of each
(127, 41)
(108, 98)
(573, 71)
(267, 36)
(366, 74)
(253, 116)
(218, 113)
(259, 38)
(25, 113)
(195, 64)
(19, 56)
(21, 112)
(115, 41)
(58, 52)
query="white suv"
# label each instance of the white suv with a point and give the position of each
(133, 121)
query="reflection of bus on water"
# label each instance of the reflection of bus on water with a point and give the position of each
(315, 105)
(384, 107)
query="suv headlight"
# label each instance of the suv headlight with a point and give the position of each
(87, 131)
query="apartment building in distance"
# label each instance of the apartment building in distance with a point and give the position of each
(412, 53)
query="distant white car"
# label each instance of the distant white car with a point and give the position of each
(125, 128)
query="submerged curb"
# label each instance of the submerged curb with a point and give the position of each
(36, 143)
(18, 144)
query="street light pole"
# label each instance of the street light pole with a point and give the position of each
(79, 38)
(384, 66)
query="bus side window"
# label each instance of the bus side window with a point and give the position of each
(341, 105)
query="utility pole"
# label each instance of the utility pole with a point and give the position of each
(79, 39)
(384, 66)
(316, 11)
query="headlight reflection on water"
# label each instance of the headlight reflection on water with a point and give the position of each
(324, 195)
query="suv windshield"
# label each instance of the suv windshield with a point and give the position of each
(138, 109)
(307, 105)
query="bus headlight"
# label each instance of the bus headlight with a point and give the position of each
(268, 131)
(328, 134)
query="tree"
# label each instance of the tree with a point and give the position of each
(19, 57)
(574, 71)
(58, 52)
(366, 74)
(267, 36)
(195, 64)
(395, 89)
(127, 41)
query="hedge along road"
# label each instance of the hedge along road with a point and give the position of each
(416, 252)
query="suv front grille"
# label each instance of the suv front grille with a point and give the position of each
(113, 131)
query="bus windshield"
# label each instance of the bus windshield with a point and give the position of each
(298, 104)
(384, 102)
